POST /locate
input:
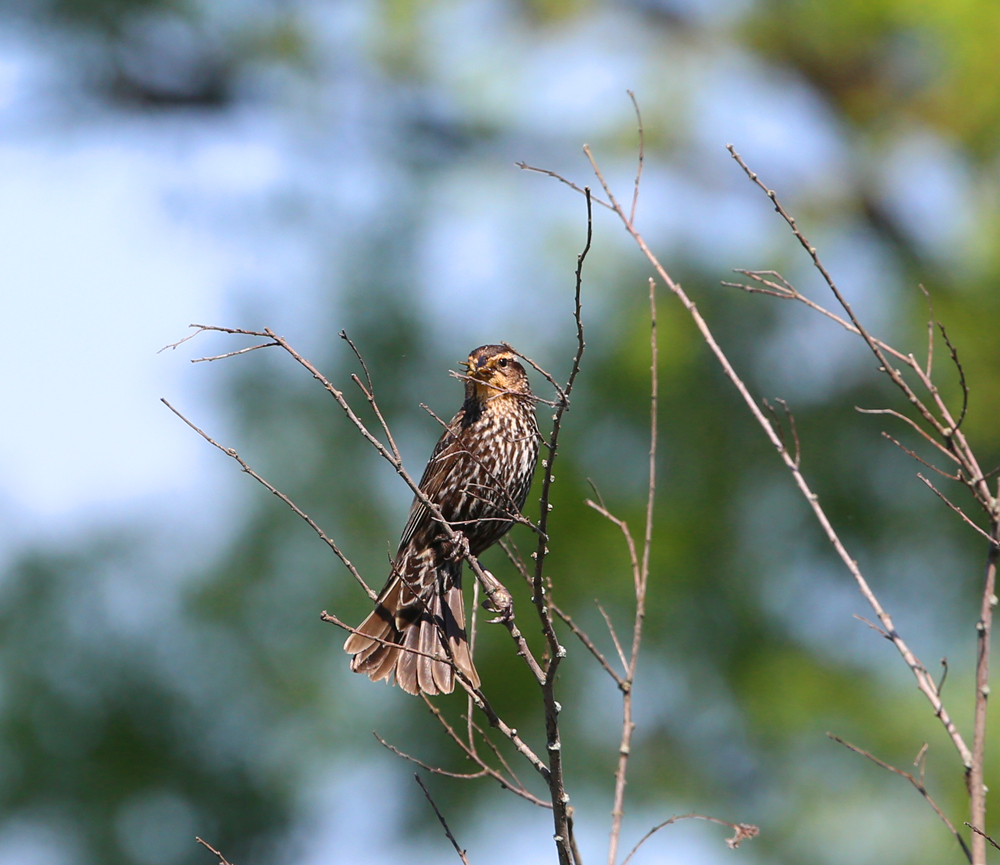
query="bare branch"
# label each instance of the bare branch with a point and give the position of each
(589, 644)
(440, 816)
(333, 620)
(874, 345)
(309, 520)
(984, 835)
(539, 595)
(614, 636)
(582, 190)
(642, 148)
(546, 375)
(515, 787)
(921, 460)
(174, 345)
(623, 526)
(743, 831)
(641, 581)
(370, 394)
(873, 626)
(205, 844)
(913, 424)
(924, 682)
(961, 378)
(930, 330)
(917, 784)
(229, 353)
(795, 431)
(462, 776)
(958, 510)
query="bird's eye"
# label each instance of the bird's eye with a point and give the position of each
(502, 361)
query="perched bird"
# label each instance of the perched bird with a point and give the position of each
(478, 475)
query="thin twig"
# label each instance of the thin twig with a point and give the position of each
(589, 644)
(370, 393)
(229, 452)
(222, 859)
(642, 148)
(957, 510)
(444, 824)
(333, 620)
(437, 770)
(874, 345)
(542, 372)
(961, 377)
(914, 425)
(582, 190)
(930, 330)
(179, 342)
(873, 626)
(917, 784)
(630, 542)
(499, 391)
(921, 460)
(983, 834)
(515, 787)
(229, 353)
(500, 758)
(742, 831)
(614, 636)
(510, 549)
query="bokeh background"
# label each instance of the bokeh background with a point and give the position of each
(312, 166)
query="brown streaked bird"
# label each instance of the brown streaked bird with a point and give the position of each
(478, 475)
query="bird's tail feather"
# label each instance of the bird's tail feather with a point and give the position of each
(419, 609)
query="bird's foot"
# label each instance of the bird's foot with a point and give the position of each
(498, 599)
(456, 549)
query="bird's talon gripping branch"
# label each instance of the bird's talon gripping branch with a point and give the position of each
(499, 601)
(456, 549)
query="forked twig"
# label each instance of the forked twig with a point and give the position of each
(470, 752)
(917, 784)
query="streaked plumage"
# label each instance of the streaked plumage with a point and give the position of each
(479, 473)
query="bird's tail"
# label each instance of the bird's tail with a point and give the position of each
(419, 611)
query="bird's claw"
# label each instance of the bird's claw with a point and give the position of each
(457, 548)
(499, 601)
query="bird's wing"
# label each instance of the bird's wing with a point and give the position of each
(448, 449)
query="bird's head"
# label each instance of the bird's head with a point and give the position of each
(493, 371)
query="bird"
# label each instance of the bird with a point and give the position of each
(478, 475)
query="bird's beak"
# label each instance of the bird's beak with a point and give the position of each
(480, 370)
